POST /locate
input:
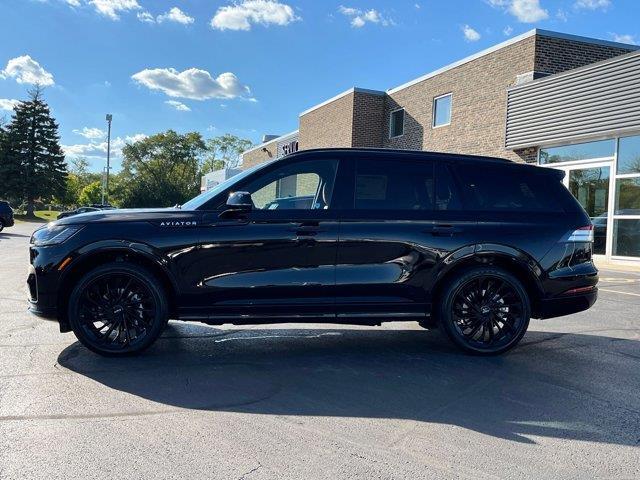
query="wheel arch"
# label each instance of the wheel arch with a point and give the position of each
(91, 258)
(514, 261)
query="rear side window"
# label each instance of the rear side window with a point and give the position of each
(394, 185)
(509, 188)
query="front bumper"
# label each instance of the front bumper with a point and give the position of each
(8, 221)
(567, 304)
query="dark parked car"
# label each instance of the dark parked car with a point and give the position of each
(475, 245)
(6, 215)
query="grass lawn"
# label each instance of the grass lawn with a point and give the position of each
(41, 216)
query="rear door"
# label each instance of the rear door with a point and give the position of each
(392, 235)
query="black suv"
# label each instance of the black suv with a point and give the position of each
(6, 215)
(475, 245)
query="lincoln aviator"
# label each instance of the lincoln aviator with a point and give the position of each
(475, 246)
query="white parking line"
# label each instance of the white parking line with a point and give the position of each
(617, 291)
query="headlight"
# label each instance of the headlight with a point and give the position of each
(53, 235)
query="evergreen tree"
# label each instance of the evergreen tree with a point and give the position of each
(34, 165)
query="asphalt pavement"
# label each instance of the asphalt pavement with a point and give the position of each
(320, 401)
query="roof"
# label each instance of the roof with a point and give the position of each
(387, 151)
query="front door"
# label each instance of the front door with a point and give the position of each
(279, 259)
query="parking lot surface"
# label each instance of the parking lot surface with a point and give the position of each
(320, 401)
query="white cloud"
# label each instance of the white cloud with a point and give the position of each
(8, 103)
(592, 4)
(26, 70)
(507, 30)
(193, 83)
(175, 15)
(112, 8)
(91, 133)
(241, 16)
(624, 38)
(360, 18)
(526, 11)
(470, 34)
(178, 105)
(99, 149)
(146, 17)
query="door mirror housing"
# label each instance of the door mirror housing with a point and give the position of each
(240, 201)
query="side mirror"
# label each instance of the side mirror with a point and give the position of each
(240, 201)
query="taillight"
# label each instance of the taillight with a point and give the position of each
(582, 234)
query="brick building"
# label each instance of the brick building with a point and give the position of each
(522, 100)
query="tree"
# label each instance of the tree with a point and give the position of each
(90, 194)
(224, 152)
(33, 164)
(161, 170)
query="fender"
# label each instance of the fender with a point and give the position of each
(483, 251)
(87, 252)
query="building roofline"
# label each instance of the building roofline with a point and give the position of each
(340, 95)
(511, 41)
(280, 138)
(576, 71)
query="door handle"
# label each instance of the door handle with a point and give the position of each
(307, 230)
(445, 230)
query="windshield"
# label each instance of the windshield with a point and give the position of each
(196, 202)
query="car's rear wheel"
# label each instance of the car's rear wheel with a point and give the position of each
(1, 225)
(118, 309)
(485, 310)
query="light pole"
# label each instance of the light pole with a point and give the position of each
(105, 190)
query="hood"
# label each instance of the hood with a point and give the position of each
(127, 215)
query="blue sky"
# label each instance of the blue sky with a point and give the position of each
(251, 66)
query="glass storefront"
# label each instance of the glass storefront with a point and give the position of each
(604, 176)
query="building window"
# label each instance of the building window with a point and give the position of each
(579, 151)
(396, 124)
(442, 110)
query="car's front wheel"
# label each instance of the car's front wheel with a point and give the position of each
(118, 309)
(1, 225)
(485, 310)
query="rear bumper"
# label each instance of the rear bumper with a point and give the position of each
(567, 304)
(8, 222)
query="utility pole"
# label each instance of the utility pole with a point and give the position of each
(105, 189)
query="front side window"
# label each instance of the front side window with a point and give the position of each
(306, 185)
(394, 185)
(396, 126)
(580, 151)
(442, 110)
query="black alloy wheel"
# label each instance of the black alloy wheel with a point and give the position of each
(486, 311)
(117, 309)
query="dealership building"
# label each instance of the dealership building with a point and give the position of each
(548, 98)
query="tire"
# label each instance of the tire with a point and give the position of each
(1, 225)
(485, 311)
(118, 309)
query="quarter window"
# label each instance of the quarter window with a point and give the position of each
(442, 110)
(509, 188)
(394, 185)
(396, 127)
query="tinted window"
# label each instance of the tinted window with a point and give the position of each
(394, 185)
(299, 186)
(509, 188)
(447, 191)
(397, 123)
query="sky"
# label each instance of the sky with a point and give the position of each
(249, 67)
